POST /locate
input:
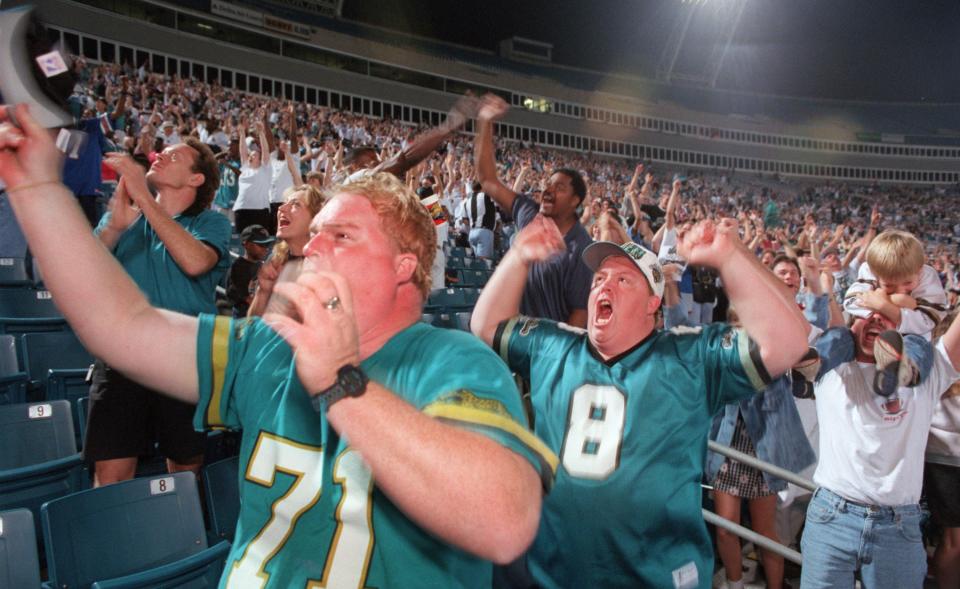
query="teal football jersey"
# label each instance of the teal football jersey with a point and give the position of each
(631, 434)
(311, 515)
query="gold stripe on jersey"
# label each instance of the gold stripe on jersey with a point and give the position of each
(220, 348)
(749, 361)
(504, 423)
(506, 332)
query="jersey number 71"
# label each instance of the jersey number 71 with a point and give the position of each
(349, 553)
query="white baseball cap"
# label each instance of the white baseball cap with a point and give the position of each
(598, 251)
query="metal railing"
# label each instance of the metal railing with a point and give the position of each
(746, 533)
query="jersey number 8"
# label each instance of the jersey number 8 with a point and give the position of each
(594, 435)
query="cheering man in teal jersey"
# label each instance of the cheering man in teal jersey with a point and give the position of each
(628, 408)
(365, 461)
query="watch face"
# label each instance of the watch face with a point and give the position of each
(352, 380)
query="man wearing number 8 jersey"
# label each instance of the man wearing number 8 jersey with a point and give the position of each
(366, 461)
(628, 408)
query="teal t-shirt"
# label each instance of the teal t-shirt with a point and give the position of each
(631, 434)
(148, 262)
(228, 190)
(310, 511)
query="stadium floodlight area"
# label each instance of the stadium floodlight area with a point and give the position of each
(714, 25)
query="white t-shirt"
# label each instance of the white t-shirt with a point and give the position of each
(253, 190)
(943, 443)
(871, 447)
(280, 176)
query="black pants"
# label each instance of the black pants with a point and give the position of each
(272, 227)
(246, 217)
(126, 419)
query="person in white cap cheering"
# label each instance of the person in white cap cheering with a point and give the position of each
(628, 408)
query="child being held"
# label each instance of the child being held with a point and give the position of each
(896, 283)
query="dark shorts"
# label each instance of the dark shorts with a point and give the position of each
(941, 483)
(245, 217)
(126, 419)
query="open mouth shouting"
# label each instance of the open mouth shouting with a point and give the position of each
(603, 311)
(547, 201)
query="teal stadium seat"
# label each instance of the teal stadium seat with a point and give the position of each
(474, 278)
(13, 381)
(445, 300)
(463, 320)
(19, 562)
(58, 356)
(13, 272)
(26, 309)
(144, 533)
(221, 492)
(471, 295)
(38, 455)
(460, 252)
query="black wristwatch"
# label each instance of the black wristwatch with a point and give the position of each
(351, 382)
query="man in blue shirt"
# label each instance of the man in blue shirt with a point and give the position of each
(82, 173)
(556, 289)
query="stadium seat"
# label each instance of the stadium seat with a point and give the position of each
(25, 309)
(460, 252)
(474, 278)
(457, 263)
(70, 385)
(221, 492)
(13, 272)
(13, 381)
(35, 433)
(471, 295)
(19, 562)
(220, 445)
(445, 300)
(463, 320)
(38, 455)
(82, 411)
(140, 533)
(477, 264)
(56, 355)
(444, 320)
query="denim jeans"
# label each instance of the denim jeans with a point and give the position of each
(481, 240)
(842, 537)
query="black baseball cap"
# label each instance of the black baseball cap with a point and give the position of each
(257, 234)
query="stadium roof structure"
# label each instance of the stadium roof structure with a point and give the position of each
(879, 50)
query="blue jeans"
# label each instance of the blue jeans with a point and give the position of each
(481, 240)
(842, 537)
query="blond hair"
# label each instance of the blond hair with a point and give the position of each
(313, 199)
(895, 255)
(405, 221)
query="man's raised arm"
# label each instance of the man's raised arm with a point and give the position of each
(426, 143)
(500, 299)
(492, 107)
(766, 308)
(951, 342)
(106, 309)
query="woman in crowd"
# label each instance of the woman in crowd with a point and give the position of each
(301, 204)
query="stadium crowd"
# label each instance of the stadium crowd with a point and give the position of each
(646, 308)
